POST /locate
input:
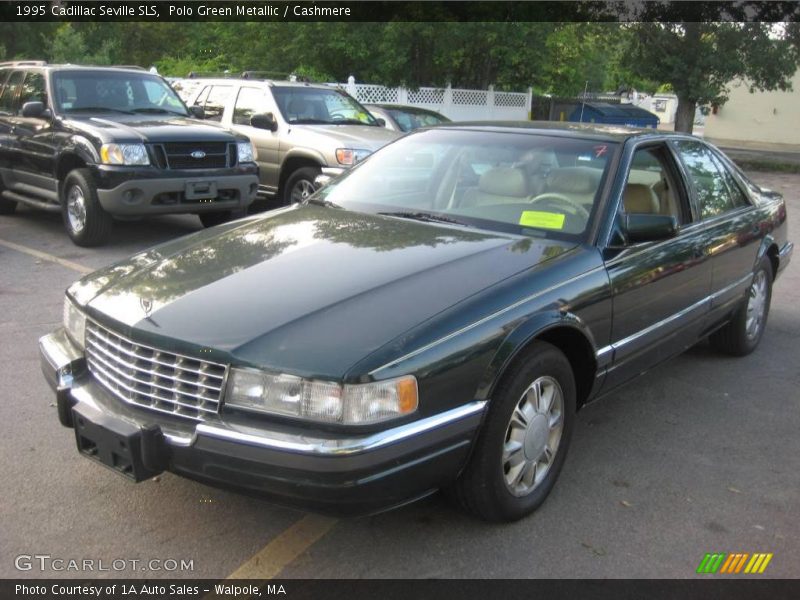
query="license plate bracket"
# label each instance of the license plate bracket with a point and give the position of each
(131, 451)
(201, 190)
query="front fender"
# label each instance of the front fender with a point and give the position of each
(305, 154)
(536, 326)
(77, 147)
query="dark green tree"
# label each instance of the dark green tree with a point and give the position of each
(700, 60)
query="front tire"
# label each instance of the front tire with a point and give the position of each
(523, 443)
(85, 220)
(743, 333)
(300, 185)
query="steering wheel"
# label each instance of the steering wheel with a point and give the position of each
(337, 115)
(571, 205)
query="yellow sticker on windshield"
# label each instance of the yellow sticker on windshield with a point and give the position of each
(541, 219)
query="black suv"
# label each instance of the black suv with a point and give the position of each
(93, 142)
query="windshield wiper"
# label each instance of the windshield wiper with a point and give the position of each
(424, 216)
(158, 111)
(322, 202)
(97, 109)
(352, 122)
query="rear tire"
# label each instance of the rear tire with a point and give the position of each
(300, 185)
(85, 220)
(743, 333)
(523, 443)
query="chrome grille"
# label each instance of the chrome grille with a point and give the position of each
(152, 378)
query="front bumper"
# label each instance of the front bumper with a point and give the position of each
(315, 470)
(131, 191)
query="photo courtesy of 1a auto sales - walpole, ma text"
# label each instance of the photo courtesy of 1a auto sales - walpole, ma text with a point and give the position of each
(325, 299)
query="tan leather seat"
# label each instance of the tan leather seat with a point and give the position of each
(501, 185)
(578, 183)
(639, 198)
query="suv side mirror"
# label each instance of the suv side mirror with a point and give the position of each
(34, 110)
(264, 121)
(380, 122)
(197, 111)
(640, 227)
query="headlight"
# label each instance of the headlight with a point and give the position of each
(245, 152)
(124, 154)
(349, 156)
(322, 401)
(74, 323)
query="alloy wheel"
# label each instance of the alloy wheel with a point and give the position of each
(533, 435)
(756, 305)
(76, 208)
(302, 190)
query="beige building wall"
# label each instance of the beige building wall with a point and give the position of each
(763, 120)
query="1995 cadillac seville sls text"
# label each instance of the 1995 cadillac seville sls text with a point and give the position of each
(432, 319)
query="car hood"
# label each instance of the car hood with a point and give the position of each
(307, 290)
(330, 137)
(150, 128)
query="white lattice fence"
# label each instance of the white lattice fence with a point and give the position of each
(456, 104)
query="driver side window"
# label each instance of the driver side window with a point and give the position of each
(651, 187)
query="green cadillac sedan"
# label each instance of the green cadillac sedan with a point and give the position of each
(433, 319)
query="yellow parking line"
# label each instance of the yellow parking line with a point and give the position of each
(48, 257)
(282, 550)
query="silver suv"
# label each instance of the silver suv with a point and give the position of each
(300, 130)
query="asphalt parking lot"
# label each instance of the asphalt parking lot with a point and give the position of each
(700, 455)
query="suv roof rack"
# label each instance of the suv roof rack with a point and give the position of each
(23, 63)
(252, 75)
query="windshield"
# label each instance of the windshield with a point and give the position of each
(320, 106)
(114, 91)
(524, 183)
(408, 120)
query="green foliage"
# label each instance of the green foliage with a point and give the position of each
(68, 45)
(700, 60)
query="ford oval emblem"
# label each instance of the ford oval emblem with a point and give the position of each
(198, 154)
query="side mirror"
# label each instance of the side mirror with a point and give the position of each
(264, 121)
(639, 227)
(380, 122)
(33, 110)
(197, 111)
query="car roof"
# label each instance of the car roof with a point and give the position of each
(268, 82)
(617, 133)
(405, 108)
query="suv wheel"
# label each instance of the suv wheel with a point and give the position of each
(86, 222)
(7, 207)
(300, 185)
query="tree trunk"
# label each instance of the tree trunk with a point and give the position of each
(684, 116)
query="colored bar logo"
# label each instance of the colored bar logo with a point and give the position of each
(731, 564)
